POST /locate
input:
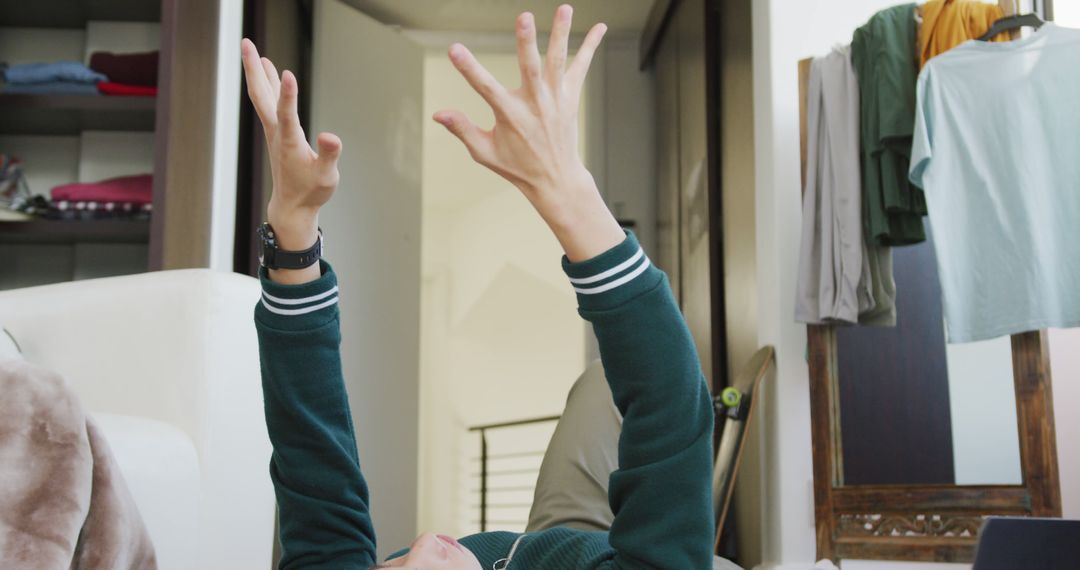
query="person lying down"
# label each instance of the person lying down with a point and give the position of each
(660, 493)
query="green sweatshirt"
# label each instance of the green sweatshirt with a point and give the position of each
(660, 494)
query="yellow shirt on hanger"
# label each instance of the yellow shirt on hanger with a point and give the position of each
(949, 23)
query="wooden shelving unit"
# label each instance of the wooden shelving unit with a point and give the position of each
(72, 232)
(74, 14)
(72, 114)
(179, 121)
(26, 114)
(27, 119)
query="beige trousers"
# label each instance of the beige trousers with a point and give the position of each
(572, 488)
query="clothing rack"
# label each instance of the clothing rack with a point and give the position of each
(1038, 495)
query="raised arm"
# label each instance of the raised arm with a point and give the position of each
(322, 497)
(534, 143)
(661, 493)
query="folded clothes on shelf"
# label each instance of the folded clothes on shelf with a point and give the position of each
(39, 207)
(67, 71)
(110, 88)
(12, 181)
(52, 88)
(90, 210)
(137, 189)
(28, 207)
(14, 191)
(127, 68)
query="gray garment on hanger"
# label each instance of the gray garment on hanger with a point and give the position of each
(841, 279)
(878, 285)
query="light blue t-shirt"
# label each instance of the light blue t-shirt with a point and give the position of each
(997, 151)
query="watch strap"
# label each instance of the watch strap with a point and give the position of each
(273, 257)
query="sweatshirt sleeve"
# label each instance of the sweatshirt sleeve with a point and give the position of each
(322, 497)
(661, 492)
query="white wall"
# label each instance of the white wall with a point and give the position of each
(1065, 368)
(375, 220)
(786, 31)
(226, 135)
(501, 339)
(620, 111)
(1065, 364)
(1067, 13)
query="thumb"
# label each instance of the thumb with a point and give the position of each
(476, 141)
(329, 146)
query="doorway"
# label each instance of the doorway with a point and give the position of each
(455, 311)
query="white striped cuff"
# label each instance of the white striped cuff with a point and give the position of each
(298, 306)
(628, 271)
(613, 277)
(301, 306)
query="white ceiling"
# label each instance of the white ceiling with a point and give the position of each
(499, 15)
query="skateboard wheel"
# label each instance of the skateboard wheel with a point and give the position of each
(730, 397)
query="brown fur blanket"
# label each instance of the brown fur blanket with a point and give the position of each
(63, 501)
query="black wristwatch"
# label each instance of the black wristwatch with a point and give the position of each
(271, 257)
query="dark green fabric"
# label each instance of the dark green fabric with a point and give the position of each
(883, 53)
(660, 494)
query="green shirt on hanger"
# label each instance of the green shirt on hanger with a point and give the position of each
(883, 53)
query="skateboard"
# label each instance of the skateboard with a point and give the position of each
(734, 407)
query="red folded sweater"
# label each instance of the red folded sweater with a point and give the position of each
(110, 88)
(137, 189)
(127, 68)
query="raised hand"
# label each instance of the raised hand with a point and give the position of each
(534, 143)
(304, 179)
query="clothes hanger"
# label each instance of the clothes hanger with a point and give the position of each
(1012, 23)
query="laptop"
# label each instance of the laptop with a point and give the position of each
(1016, 543)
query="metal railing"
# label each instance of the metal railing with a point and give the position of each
(504, 469)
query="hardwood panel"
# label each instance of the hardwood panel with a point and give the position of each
(75, 13)
(936, 498)
(667, 168)
(1035, 419)
(70, 232)
(655, 25)
(72, 114)
(695, 237)
(184, 146)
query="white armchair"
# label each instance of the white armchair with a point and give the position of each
(168, 364)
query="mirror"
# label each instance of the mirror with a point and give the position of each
(914, 410)
(915, 441)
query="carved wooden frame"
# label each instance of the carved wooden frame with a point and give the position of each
(923, 522)
(928, 522)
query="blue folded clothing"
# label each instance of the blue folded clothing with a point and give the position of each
(69, 71)
(52, 88)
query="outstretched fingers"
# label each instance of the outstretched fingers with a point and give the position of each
(528, 55)
(329, 146)
(477, 141)
(287, 116)
(579, 68)
(557, 45)
(258, 87)
(478, 77)
(272, 78)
